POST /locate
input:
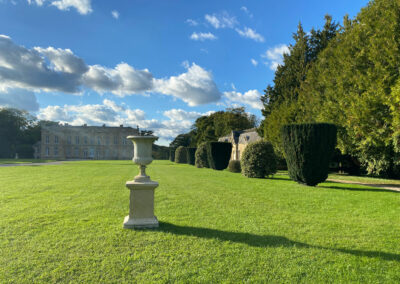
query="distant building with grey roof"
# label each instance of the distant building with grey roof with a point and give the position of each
(240, 139)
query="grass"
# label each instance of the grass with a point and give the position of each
(23, 161)
(64, 224)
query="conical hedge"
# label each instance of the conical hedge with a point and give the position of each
(308, 151)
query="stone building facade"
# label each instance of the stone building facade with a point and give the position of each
(66, 142)
(240, 139)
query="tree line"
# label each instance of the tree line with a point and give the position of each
(348, 75)
(209, 128)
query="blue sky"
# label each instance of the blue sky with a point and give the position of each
(156, 64)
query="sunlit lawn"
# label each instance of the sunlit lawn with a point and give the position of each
(63, 223)
(23, 161)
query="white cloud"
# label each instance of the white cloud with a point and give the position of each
(192, 22)
(122, 80)
(244, 9)
(20, 99)
(222, 20)
(250, 33)
(26, 68)
(177, 120)
(251, 98)
(274, 56)
(50, 69)
(63, 60)
(202, 36)
(115, 14)
(180, 114)
(254, 62)
(38, 2)
(194, 87)
(83, 7)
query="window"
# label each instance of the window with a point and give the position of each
(55, 139)
(47, 139)
(85, 140)
(69, 140)
(98, 140)
(76, 139)
(115, 140)
(68, 152)
(55, 150)
(47, 151)
(76, 152)
(91, 140)
(123, 141)
(85, 153)
(107, 140)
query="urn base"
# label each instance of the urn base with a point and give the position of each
(143, 223)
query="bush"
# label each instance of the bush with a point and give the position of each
(201, 156)
(234, 166)
(172, 155)
(181, 155)
(258, 160)
(308, 150)
(190, 155)
(219, 154)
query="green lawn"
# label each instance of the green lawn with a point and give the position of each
(63, 223)
(23, 161)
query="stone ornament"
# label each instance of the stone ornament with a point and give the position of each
(141, 203)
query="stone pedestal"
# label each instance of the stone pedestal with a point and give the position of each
(141, 202)
(141, 205)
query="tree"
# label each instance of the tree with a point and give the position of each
(281, 100)
(17, 128)
(180, 140)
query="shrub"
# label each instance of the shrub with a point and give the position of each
(258, 160)
(219, 154)
(190, 155)
(308, 150)
(234, 166)
(172, 155)
(181, 155)
(201, 156)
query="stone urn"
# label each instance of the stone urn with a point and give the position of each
(141, 203)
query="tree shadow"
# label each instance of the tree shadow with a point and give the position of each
(368, 187)
(263, 241)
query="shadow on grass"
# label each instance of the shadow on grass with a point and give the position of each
(262, 241)
(341, 186)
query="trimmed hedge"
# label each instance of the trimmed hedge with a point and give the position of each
(234, 166)
(191, 155)
(308, 149)
(181, 155)
(172, 155)
(219, 154)
(201, 156)
(258, 160)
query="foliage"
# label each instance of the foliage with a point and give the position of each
(280, 100)
(219, 154)
(201, 156)
(160, 152)
(180, 140)
(354, 83)
(17, 128)
(172, 155)
(234, 166)
(258, 160)
(308, 151)
(210, 127)
(181, 155)
(190, 151)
